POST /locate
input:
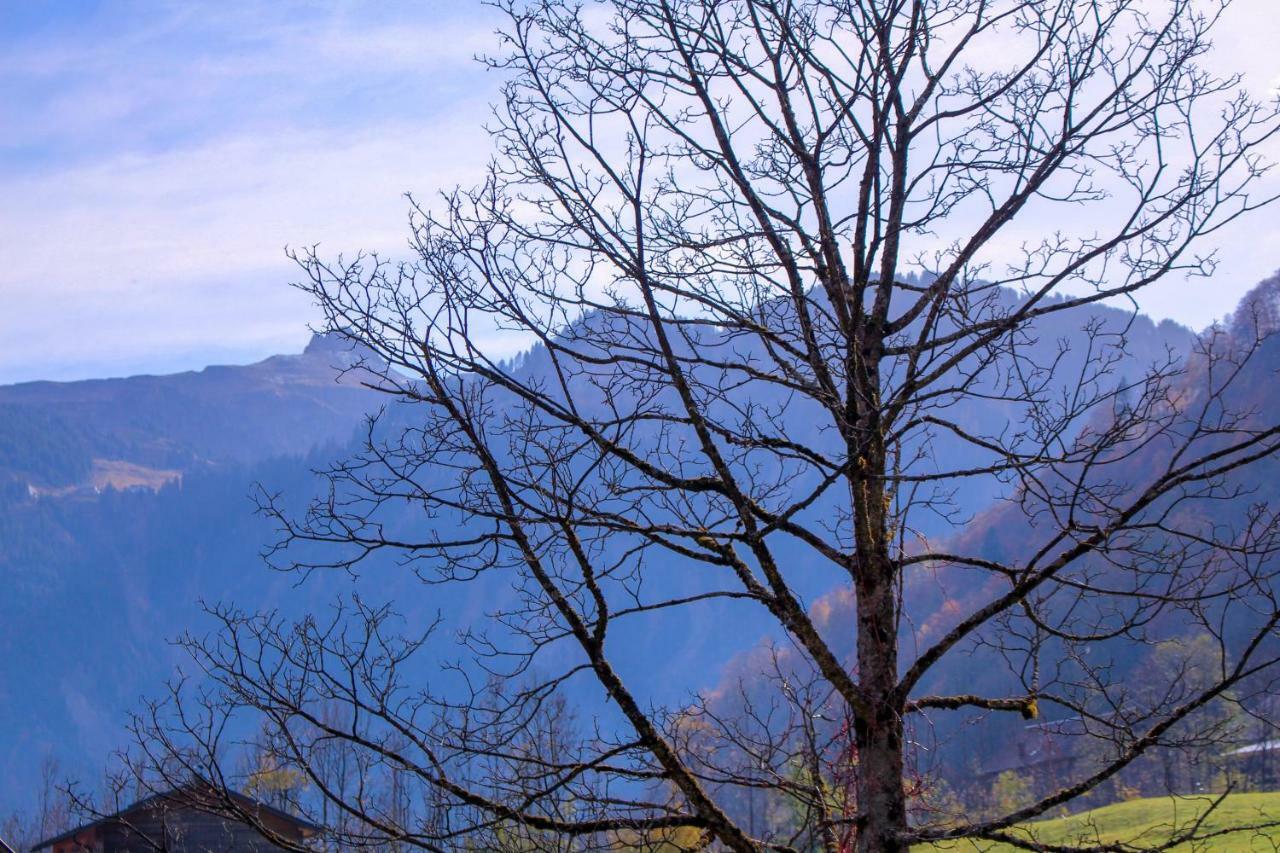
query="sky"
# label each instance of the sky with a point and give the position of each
(156, 158)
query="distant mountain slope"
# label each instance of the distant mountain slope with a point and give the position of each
(938, 597)
(147, 430)
(98, 578)
(122, 502)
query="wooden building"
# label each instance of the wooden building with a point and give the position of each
(194, 819)
(1258, 763)
(1045, 754)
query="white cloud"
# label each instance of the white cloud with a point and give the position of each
(137, 254)
(151, 173)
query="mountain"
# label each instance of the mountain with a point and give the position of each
(146, 431)
(123, 503)
(1164, 638)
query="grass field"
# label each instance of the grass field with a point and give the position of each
(1149, 823)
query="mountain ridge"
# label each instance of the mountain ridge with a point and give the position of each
(56, 432)
(100, 580)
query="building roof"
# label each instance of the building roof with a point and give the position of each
(1037, 745)
(182, 796)
(1257, 747)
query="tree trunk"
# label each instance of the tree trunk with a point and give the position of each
(882, 808)
(878, 733)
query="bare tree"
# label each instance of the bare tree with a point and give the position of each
(786, 267)
(48, 815)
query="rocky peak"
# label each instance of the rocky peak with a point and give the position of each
(339, 351)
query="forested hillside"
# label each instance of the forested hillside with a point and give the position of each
(54, 434)
(123, 502)
(1110, 659)
(101, 575)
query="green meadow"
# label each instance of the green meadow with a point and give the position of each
(1151, 823)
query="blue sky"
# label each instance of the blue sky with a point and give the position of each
(156, 157)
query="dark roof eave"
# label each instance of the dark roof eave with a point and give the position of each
(308, 828)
